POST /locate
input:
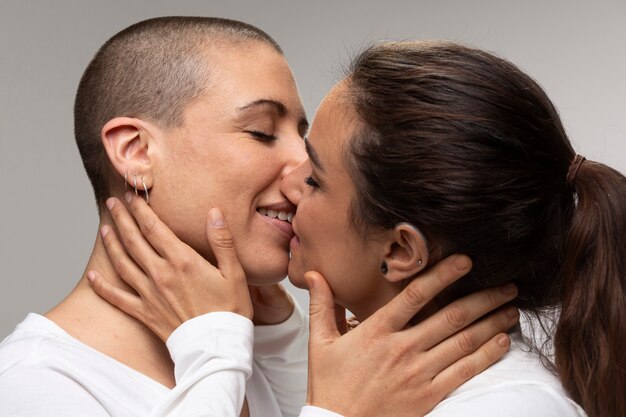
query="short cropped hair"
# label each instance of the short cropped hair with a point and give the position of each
(153, 70)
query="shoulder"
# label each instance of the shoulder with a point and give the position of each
(31, 384)
(514, 399)
(518, 385)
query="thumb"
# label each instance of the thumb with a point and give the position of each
(222, 244)
(322, 325)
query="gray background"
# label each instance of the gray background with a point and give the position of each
(48, 221)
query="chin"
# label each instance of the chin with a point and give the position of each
(268, 271)
(296, 278)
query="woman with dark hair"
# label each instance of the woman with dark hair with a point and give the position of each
(430, 148)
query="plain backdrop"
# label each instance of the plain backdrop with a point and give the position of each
(48, 221)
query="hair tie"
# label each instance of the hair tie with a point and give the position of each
(574, 167)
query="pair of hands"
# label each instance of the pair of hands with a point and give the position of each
(414, 368)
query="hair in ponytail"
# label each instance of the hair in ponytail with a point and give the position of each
(590, 339)
(486, 172)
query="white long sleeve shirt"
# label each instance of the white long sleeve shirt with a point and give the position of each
(517, 386)
(46, 372)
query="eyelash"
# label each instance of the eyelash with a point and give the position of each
(262, 135)
(311, 182)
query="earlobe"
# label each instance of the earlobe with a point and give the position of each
(127, 142)
(406, 253)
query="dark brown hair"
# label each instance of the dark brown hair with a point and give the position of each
(468, 148)
(152, 69)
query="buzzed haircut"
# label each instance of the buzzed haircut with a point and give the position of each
(150, 70)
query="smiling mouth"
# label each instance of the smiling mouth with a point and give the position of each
(274, 214)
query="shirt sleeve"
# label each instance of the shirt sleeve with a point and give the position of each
(281, 351)
(212, 355)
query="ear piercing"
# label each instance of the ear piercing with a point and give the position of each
(384, 268)
(145, 188)
(146, 191)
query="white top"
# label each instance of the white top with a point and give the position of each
(46, 372)
(517, 386)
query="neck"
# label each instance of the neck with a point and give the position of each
(382, 295)
(100, 325)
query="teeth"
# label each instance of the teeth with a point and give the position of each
(281, 215)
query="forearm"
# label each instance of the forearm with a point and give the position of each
(213, 359)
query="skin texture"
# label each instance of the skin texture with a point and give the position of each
(188, 170)
(228, 153)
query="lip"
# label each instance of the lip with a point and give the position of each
(283, 226)
(294, 243)
(281, 206)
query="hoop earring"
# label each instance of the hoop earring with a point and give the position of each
(126, 180)
(146, 191)
(135, 184)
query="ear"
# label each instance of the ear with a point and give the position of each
(127, 142)
(406, 253)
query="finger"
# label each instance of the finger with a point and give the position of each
(322, 323)
(461, 313)
(471, 339)
(130, 235)
(122, 299)
(396, 314)
(157, 233)
(123, 265)
(470, 366)
(223, 245)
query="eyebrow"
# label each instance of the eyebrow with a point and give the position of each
(313, 155)
(279, 107)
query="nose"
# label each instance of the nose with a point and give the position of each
(292, 184)
(296, 154)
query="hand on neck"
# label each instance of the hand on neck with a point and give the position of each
(102, 326)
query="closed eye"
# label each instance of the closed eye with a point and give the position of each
(257, 134)
(311, 182)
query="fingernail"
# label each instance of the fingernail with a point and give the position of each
(462, 263)
(511, 312)
(503, 340)
(309, 281)
(104, 230)
(128, 196)
(217, 220)
(110, 203)
(509, 289)
(91, 276)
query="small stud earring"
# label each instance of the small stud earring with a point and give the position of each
(383, 268)
(419, 262)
